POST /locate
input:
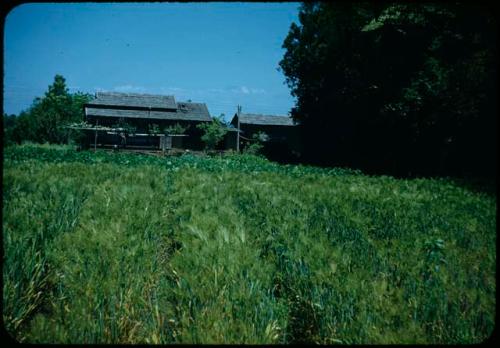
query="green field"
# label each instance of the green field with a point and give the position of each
(124, 248)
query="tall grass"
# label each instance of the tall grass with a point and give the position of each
(134, 249)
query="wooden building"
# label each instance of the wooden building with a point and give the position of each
(282, 140)
(147, 114)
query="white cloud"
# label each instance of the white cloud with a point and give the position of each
(129, 89)
(246, 90)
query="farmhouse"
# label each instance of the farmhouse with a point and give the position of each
(281, 138)
(141, 120)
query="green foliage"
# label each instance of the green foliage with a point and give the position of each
(9, 122)
(123, 248)
(153, 128)
(176, 129)
(58, 88)
(256, 143)
(396, 88)
(213, 132)
(126, 127)
(233, 162)
(20, 129)
(47, 117)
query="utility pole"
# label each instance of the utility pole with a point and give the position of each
(95, 138)
(238, 133)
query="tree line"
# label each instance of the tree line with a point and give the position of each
(401, 89)
(45, 120)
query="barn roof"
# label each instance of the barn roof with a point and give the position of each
(267, 120)
(184, 112)
(134, 100)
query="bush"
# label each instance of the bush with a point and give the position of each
(214, 132)
(176, 129)
(153, 129)
(256, 144)
(125, 126)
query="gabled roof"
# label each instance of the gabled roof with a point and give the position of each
(194, 112)
(134, 100)
(265, 120)
(198, 111)
(132, 105)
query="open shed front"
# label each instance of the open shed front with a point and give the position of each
(99, 138)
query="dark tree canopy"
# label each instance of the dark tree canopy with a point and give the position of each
(396, 88)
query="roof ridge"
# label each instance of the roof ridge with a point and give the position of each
(185, 102)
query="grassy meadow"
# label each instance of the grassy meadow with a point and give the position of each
(125, 248)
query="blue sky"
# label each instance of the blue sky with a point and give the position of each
(222, 54)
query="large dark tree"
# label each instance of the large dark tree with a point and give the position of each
(395, 88)
(47, 117)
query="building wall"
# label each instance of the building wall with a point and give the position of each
(287, 134)
(283, 144)
(230, 140)
(192, 141)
